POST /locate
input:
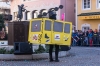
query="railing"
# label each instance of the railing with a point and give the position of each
(85, 42)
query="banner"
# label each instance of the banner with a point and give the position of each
(63, 17)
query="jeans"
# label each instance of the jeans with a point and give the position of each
(95, 41)
(74, 42)
(86, 40)
(90, 42)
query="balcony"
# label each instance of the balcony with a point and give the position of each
(4, 4)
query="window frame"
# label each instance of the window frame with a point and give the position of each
(86, 4)
(97, 4)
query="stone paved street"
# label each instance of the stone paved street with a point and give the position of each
(79, 56)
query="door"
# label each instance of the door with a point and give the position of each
(35, 31)
(57, 32)
(47, 34)
(67, 33)
(85, 28)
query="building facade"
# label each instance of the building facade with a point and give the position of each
(36, 6)
(88, 14)
(5, 11)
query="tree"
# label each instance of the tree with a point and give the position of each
(1, 22)
(2, 27)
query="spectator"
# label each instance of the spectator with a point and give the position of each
(90, 36)
(86, 37)
(95, 38)
(99, 37)
(74, 34)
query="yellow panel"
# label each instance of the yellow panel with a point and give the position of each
(47, 31)
(67, 34)
(57, 32)
(35, 36)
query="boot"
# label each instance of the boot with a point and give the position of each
(56, 53)
(50, 53)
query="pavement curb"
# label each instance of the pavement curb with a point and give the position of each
(31, 57)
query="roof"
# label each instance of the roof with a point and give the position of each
(4, 5)
(89, 13)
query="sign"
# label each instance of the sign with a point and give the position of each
(57, 36)
(90, 17)
(35, 37)
(3, 42)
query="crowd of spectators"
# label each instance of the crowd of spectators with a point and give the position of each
(86, 38)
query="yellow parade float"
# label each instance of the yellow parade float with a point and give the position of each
(48, 31)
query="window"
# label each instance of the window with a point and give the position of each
(67, 28)
(28, 15)
(36, 14)
(36, 26)
(86, 4)
(98, 3)
(48, 25)
(15, 15)
(58, 27)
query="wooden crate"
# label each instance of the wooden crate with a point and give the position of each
(18, 32)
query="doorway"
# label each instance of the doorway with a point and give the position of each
(85, 28)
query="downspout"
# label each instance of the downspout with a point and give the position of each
(65, 11)
(76, 15)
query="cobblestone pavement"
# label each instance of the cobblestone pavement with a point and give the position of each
(78, 56)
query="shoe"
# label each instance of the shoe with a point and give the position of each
(56, 60)
(51, 60)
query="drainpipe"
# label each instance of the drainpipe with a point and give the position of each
(65, 11)
(76, 23)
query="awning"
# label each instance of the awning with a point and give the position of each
(90, 15)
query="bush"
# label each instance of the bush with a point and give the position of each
(4, 51)
(39, 50)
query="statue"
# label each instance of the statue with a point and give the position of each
(21, 9)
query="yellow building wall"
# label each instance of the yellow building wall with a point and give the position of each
(93, 22)
(92, 9)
